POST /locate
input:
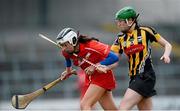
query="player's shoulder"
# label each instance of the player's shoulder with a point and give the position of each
(149, 29)
(118, 38)
(93, 43)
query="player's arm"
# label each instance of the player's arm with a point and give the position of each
(114, 65)
(167, 49)
(110, 59)
(68, 65)
(67, 73)
(154, 36)
(117, 50)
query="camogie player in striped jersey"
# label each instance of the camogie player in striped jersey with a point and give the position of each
(134, 41)
(100, 80)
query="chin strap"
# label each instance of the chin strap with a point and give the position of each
(132, 22)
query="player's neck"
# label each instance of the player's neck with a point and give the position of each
(132, 28)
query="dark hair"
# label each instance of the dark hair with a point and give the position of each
(84, 39)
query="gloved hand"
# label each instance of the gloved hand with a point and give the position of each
(66, 75)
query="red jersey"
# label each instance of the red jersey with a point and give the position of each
(92, 51)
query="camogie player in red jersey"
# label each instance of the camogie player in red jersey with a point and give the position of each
(99, 80)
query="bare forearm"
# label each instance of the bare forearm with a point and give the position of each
(167, 46)
(112, 66)
(168, 49)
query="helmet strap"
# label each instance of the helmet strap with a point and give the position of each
(130, 25)
(127, 22)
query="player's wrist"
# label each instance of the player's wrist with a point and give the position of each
(68, 69)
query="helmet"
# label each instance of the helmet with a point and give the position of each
(125, 13)
(67, 35)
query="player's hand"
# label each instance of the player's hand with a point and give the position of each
(89, 70)
(165, 58)
(66, 75)
(102, 68)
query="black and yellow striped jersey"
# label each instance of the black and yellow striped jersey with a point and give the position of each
(136, 46)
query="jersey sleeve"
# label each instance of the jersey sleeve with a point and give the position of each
(110, 59)
(66, 55)
(67, 59)
(102, 48)
(152, 35)
(117, 47)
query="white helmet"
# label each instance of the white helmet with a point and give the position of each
(67, 35)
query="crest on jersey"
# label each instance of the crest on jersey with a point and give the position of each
(131, 41)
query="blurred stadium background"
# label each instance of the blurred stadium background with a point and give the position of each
(28, 62)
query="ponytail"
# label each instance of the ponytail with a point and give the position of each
(84, 39)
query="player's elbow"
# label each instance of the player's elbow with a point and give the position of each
(116, 58)
(169, 45)
(113, 57)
